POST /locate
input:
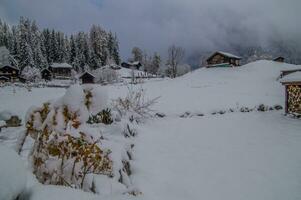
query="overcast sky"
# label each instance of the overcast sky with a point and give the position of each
(155, 24)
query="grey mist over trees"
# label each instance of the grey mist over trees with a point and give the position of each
(33, 47)
(175, 57)
(151, 63)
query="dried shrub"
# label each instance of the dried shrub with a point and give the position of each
(66, 160)
(135, 104)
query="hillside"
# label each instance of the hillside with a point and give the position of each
(210, 89)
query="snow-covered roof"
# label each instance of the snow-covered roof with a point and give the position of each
(225, 54)
(133, 63)
(136, 63)
(229, 55)
(61, 65)
(279, 57)
(14, 67)
(293, 77)
(3, 77)
(45, 69)
(86, 72)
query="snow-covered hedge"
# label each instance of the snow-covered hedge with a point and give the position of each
(12, 174)
(106, 75)
(31, 74)
(65, 149)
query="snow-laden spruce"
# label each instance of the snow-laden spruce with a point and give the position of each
(12, 174)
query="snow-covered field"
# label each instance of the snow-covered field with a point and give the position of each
(232, 156)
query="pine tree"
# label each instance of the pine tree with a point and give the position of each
(47, 44)
(156, 61)
(53, 53)
(98, 42)
(15, 48)
(115, 50)
(137, 54)
(73, 53)
(39, 59)
(66, 50)
(34, 48)
(26, 54)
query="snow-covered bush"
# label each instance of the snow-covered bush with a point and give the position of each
(106, 75)
(65, 149)
(134, 104)
(12, 174)
(183, 69)
(31, 74)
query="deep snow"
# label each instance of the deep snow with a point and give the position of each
(231, 156)
(12, 174)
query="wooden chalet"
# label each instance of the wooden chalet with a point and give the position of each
(279, 59)
(223, 59)
(9, 73)
(61, 70)
(87, 78)
(132, 65)
(46, 74)
(292, 83)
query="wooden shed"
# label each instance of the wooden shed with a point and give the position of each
(292, 83)
(87, 78)
(61, 70)
(46, 74)
(223, 59)
(279, 59)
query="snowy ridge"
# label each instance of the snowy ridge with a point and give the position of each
(209, 89)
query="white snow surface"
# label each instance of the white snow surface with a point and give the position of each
(12, 174)
(232, 156)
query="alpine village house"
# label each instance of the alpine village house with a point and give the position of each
(8, 72)
(223, 59)
(60, 70)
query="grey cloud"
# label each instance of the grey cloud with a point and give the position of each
(155, 24)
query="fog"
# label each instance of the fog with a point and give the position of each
(196, 25)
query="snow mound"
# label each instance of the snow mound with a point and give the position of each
(5, 115)
(12, 174)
